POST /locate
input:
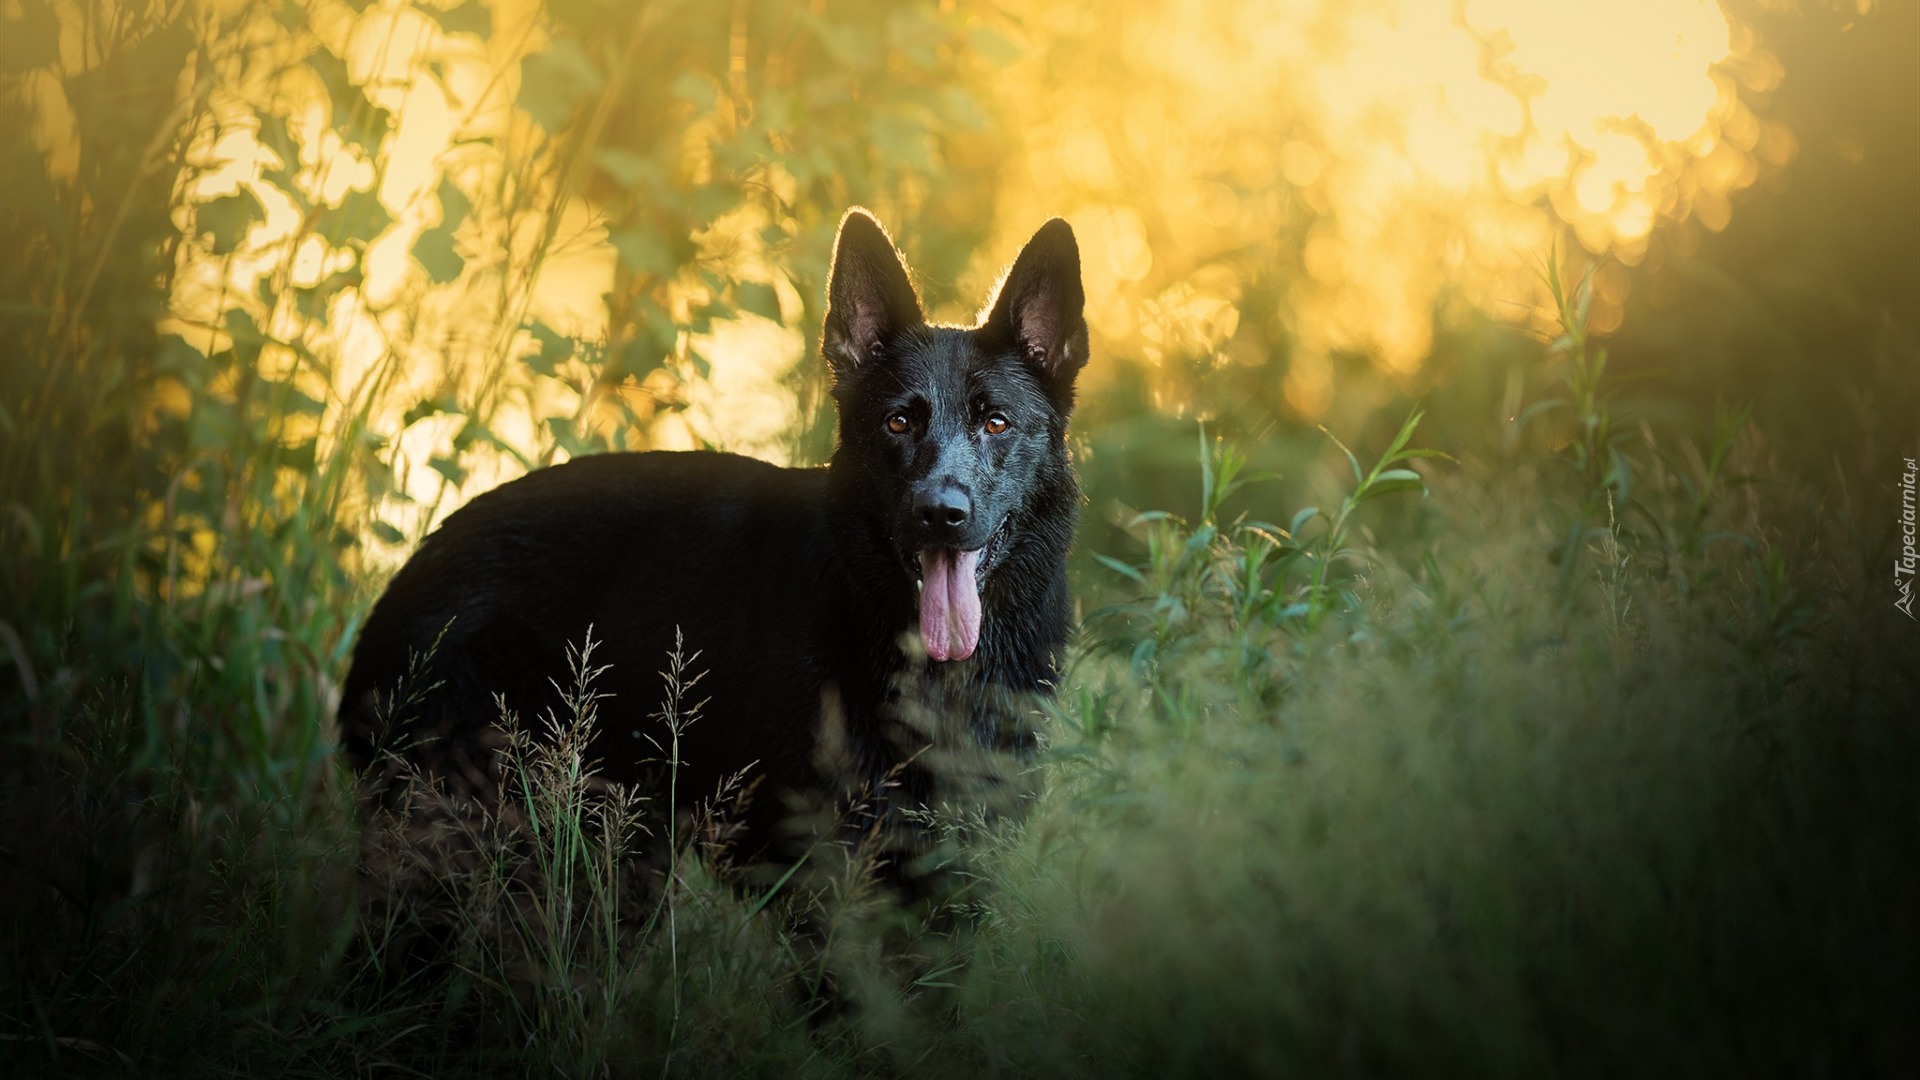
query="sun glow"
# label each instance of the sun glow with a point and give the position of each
(1394, 155)
(1271, 185)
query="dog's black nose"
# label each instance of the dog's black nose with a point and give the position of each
(941, 507)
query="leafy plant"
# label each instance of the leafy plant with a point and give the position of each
(1597, 451)
(1384, 478)
(1245, 593)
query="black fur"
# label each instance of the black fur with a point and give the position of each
(798, 586)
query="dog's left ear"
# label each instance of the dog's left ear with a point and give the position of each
(1040, 309)
(870, 299)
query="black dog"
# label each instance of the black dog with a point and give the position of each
(922, 574)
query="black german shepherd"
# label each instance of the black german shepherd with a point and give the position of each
(921, 574)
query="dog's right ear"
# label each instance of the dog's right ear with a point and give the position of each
(869, 298)
(1040, 310)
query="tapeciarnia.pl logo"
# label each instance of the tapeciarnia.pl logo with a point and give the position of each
(1903, 567)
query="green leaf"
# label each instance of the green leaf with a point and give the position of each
(1201, 539)
(758, 298)
(246, 335)
(450, 468)
(702, 366)
(471, 17)
(377, 475)
(1300, 519)
(1206, 473)
(1142, 656)
(486, 435)
(696, 88)
(354, 116)
(229, 218)
(1401, 438)
(768, 896)
(644, 251)
(300, 457)
(1391, 481)
(555, 349)
(555, 82)
(455, 207)
(426, 407)
(275, 136)
(1540, 408)
(628, 169)
(1112, 611)
(992, 47)
(435, 252)
(182, 360)
(561, 429)
(313, 302)
(361, 217)
(1122, 568)
(1351, 460)
(299, 401)
(387, 534)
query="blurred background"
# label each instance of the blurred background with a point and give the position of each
(433, 246)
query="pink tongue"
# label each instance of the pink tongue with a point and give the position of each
(949, 603)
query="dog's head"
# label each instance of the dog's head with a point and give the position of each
(955, 433)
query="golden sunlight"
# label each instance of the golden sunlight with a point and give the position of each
(1425, 148)
(1388, 167)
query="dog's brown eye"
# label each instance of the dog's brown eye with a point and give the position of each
(897, 423)
(996, 424)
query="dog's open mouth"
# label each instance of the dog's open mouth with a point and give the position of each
(950, 584)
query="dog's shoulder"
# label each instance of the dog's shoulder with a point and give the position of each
(591, 496)
(646, 475)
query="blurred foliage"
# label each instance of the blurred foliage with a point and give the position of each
(221, 345)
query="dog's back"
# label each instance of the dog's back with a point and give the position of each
(731, 552)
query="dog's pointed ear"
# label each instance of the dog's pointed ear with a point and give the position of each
(869, 297)
(1040, 308)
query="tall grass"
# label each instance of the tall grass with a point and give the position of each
(1476, 833)
(215, 423)
(1475, 820)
